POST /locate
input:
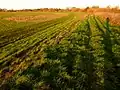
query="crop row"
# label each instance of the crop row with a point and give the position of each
(18, 55)
(65, 57)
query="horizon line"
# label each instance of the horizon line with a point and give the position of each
(62, 7)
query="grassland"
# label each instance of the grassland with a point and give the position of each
(58, 51)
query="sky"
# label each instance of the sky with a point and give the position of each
(31, 4)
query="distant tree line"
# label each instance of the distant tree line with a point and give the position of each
(73, 9)
(69, 9)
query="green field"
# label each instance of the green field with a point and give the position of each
(58, 51)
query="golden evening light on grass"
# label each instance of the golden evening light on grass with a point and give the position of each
(59, 45)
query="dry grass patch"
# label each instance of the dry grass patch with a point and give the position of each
(42, 17)
(114, 17)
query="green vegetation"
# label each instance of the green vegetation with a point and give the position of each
(65, 53)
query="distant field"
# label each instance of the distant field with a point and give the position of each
(20, 19)
(58, 51)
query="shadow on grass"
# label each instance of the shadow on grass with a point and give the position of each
(66, 66)
(111, 70)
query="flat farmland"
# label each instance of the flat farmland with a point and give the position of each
(58, 51)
